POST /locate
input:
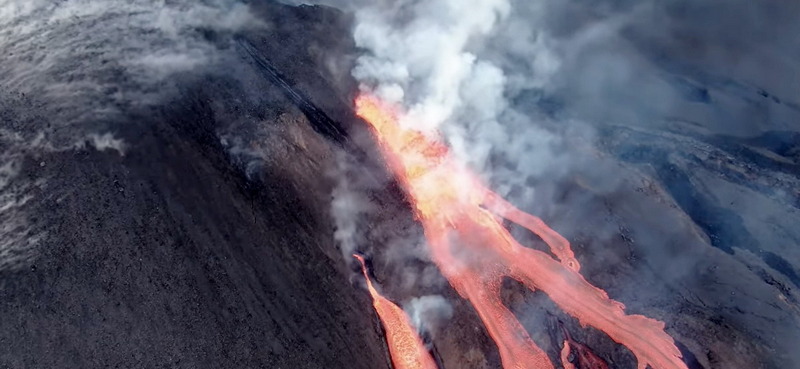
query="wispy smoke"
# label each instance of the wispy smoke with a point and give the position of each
(15, 245)
(456, 69)
(103, 142)
(349, 207)
(74, 70)
(543, 97)
(418, 56)
(20, 234)
(427, 312)
(90, 61)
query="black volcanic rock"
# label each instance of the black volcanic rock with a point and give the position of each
(204, 243)
(184, 221)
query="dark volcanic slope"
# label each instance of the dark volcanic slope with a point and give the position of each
(205, 245)
(166, 257)
(165, 194)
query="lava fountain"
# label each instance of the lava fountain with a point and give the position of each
(462, 221)
(405, 346)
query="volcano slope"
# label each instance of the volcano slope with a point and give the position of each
(173, 223)
(166, 200)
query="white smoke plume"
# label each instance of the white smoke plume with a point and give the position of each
(423, 61)
(428, 311)
(348, 208)
(548, 100)
(419, 56)
(445, 62)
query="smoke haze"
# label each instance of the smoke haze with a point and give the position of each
(660, 137)
(623, 124)
(103, 56)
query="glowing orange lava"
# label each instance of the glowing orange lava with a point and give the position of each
(565, 351)
(405, 346)
(584, 357)
(462, 220)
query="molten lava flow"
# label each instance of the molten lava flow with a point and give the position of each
(474, 251)
(585, 358)
(565, 356)
(405, 346)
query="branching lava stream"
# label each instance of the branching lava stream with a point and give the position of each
(405, 346)
(462, 221)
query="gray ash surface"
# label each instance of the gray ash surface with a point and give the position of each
(162, 208)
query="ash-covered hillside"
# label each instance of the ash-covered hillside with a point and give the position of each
(171, 173)
(163, 203)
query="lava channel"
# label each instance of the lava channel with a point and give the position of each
(462, 220)
(405, 346)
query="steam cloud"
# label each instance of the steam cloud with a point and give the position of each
(436, 59)
(427, 311)
(488, 73)
(527, 92)
(505, 81)
(419, 57)
(348, 208)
